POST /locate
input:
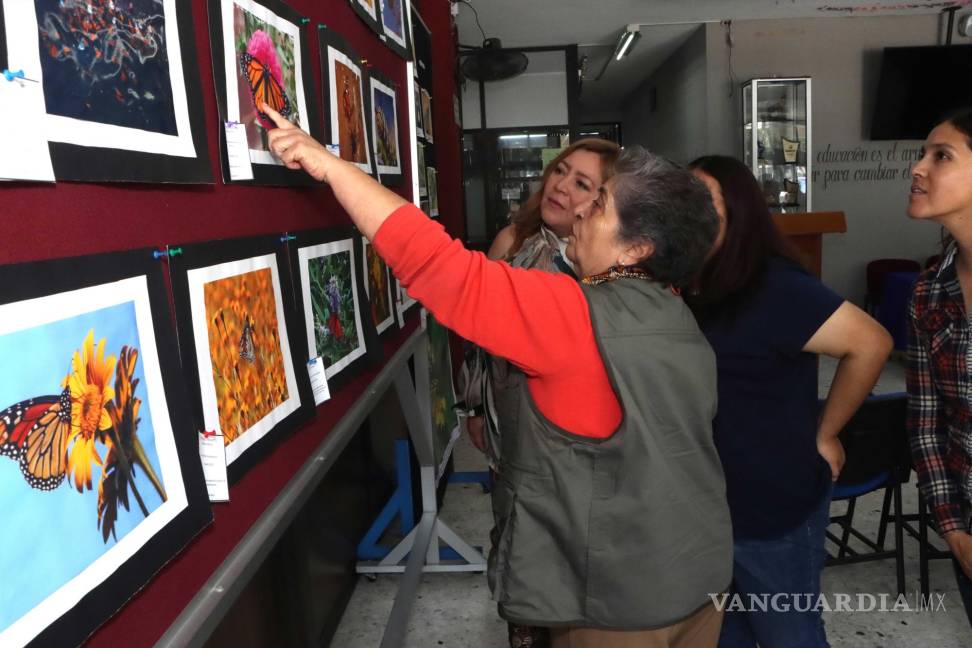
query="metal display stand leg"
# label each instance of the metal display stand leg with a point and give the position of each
(480, 477)
(421, 545)
(399, 504)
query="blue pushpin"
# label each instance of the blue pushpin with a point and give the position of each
(19, 74)
(158, 254)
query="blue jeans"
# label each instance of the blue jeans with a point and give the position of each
(790, 564)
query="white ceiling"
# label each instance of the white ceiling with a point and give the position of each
(594, 25)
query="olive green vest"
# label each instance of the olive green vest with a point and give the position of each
(630, 532)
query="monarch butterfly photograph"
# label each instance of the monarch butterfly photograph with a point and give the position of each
(266, 73)
(89, 73)
(347, 100)
(265, 88)
(245, 350)
(34, 432)
(350, 115)
(78, 458)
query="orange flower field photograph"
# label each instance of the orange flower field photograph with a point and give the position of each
(245, 349)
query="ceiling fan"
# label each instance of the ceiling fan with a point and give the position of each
(489, 62)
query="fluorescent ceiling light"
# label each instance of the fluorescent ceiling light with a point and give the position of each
(627, 40)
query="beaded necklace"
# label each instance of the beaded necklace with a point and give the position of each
(615, 273)
(623, 272)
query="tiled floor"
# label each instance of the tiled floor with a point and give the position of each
(455, 609)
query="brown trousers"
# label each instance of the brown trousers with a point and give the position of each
(701, 630)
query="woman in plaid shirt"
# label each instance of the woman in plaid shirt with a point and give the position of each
(940, 342)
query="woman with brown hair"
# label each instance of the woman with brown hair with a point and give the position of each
(571, 178)
(536, 238)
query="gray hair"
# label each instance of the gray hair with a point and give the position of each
(660, 202)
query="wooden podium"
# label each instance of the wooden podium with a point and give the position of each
(805, 233)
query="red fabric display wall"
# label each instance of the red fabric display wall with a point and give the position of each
(70, 219)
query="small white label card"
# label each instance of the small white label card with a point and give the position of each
(24, 154)
(318, 380)
(238, 152)
(212, 452)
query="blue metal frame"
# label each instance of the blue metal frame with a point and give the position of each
(399, 504)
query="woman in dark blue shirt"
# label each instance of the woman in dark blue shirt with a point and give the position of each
(767, 318)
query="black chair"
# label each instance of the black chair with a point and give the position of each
(926, 550)
(876, 445)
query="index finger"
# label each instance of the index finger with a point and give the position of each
(277, 118)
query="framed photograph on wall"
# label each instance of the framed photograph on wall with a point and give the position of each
(384, 129)
(367, 10)
(333, 301)
(118, 79)
(100, 478)
(261, 55)
(423, 176)
(433, 192)
(419, 131)
(378, 287)
(347, 100)
(426, 115)
(394, 29)
(240, 343)
(442, 393)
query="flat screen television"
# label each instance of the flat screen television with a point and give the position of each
(919, 86)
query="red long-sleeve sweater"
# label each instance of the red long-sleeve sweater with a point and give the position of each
(538, 320)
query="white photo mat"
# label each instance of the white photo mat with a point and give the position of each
(304, 256)
(403, 300)
(370, 9)
(23, 53)
(336, 56)
(197, 279)
(376, 87)
(398, 38)
(232, 64)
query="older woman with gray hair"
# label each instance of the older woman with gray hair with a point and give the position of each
(613, 526)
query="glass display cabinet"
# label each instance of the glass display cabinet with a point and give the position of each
(777, 140)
